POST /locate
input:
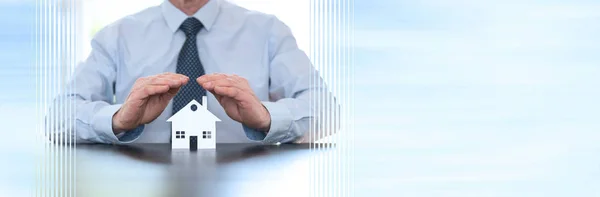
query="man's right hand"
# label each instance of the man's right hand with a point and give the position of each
(147, 100)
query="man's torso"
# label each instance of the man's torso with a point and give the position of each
(237, 43)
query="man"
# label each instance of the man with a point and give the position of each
(145, 67)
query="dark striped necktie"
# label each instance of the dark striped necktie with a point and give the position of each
(189, 64)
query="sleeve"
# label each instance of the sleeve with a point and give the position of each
(89, 95)
(298, 95)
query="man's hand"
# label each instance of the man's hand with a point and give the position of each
(147, 100)
(238, 100)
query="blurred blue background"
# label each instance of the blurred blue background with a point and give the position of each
(17, 97)
(17, 54)
(464, 97)
(478, 98)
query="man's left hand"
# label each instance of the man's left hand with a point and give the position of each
(237, 98)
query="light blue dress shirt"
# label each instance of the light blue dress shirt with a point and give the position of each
(250, 44)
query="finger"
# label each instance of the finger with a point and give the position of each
(176, 79)
(173, 91)
(149, 90)
(231, 92)
(227, 82)
(171, 74)
(242, 82)
(218, 97)
(172, 79)
(182, 79)
(172, 83)
(175, 76)
(210, 77)
(237, 78)
(139, 83)
(226, 91)
(143, 81)
(156, 89)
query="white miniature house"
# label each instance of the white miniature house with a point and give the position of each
(193, 127)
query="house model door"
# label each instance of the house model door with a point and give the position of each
(193, 142)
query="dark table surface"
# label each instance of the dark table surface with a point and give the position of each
(230, 170)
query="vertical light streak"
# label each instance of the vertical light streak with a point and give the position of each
(59, 65)
(351, 113)
(37, 141)
(311, 167)
(331, 51)
(77, 7)
(70, 104)
(54, 62)
(52, 49)
(45, 106)
(337, 90)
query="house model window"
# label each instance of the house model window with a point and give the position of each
(206, 135)
(180, 134)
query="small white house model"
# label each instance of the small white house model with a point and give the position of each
(193, 127)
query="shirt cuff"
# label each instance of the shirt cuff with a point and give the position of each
(281, 122)
(102, 124)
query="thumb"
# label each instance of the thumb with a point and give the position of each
(169, 94)
(173, 91)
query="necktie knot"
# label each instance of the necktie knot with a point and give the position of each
(191, 26)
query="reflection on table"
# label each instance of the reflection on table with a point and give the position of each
(157, 170)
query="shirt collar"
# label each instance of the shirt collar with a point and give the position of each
(175, 17)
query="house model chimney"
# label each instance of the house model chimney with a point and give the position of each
(204, 103)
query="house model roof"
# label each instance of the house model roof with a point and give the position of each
(196, 111)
